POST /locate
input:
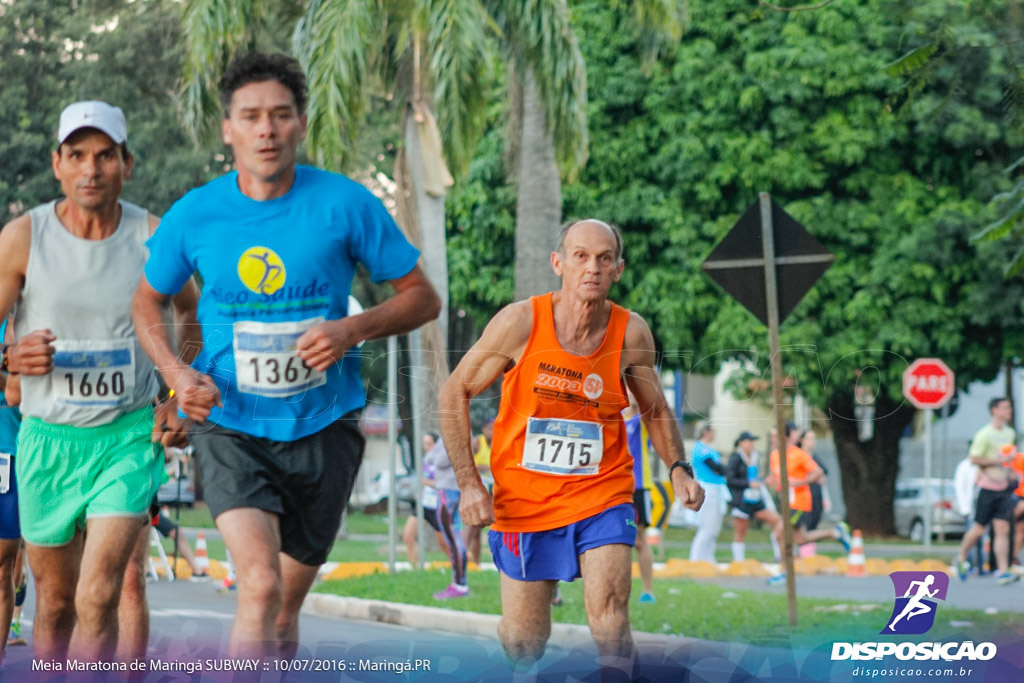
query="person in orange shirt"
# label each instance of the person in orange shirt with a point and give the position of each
(563, 476)
(1017, 463)
(802, 471)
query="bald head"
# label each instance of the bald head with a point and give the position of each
(563, 233)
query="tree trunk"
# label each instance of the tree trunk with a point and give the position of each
(539, 204)
(421, 217)
(429, 217)
(869, 468)
(1008, 369)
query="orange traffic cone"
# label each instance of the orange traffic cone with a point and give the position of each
(228, 584)
(855, 565)
(202, 558)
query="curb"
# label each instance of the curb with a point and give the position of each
(429, 618)
(566, 636)
(678, 568)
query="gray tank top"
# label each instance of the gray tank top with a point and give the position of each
(82, 291)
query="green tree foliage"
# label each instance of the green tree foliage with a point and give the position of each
(129, 54)
(946, 45)
(800, 105)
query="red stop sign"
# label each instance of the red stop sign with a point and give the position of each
(928, 383)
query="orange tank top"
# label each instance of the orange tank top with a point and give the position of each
(559, 452)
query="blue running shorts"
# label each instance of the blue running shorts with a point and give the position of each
(10, 524)
(553, 555)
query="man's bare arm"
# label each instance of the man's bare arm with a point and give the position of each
(15, 241)
(415, 302)
(33, 353)
(10, 385)
(498, 348)
(196, 393)
(188, 336)
(638, 358)
(151, 327)
(814, 476)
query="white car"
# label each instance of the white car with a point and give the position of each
(909, 512)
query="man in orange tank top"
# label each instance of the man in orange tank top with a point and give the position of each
(563, 476)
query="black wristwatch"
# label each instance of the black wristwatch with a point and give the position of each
(3, 353)
(683, 465)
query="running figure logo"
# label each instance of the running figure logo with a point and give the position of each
(261, 270)
(916, 592)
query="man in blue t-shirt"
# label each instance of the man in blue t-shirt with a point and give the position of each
(275, 397)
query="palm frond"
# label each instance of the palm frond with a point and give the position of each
(1014, 166)
(913, 60)
(214, 31)
(1011, 218)
(332, 41)
(1016, 265)
(662, 23)
(457, 43)
(541, 33)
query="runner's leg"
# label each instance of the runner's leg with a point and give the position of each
(645, 560)
(1018, 516)
(450, 522)
(55, 571)
(1001, 527)
(410, 537)
(109, 543)
(133, 609)
(739, 537)
(525, 624)
(253, 538)
(297, 579)
(606, 572)
(8, 559)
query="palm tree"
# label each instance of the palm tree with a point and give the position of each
(548, 118)
(432, 53)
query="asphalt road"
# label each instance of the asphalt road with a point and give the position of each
(190, 624)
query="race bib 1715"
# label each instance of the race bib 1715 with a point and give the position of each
(563, 447)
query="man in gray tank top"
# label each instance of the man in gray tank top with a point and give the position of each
(86, 461)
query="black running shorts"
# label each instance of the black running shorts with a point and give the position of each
(306, 482)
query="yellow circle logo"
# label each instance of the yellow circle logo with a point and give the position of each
(261, 270)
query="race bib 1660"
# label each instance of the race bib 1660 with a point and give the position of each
(93, 373)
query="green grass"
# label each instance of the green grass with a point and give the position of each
(197, 517)
(676, 540)
(686, 608)
(343, 551)
(359, 523)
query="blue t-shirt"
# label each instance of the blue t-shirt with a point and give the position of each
(288, 259)
(10, 418)
(702, 453)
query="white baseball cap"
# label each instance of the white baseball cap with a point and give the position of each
(93, 114)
